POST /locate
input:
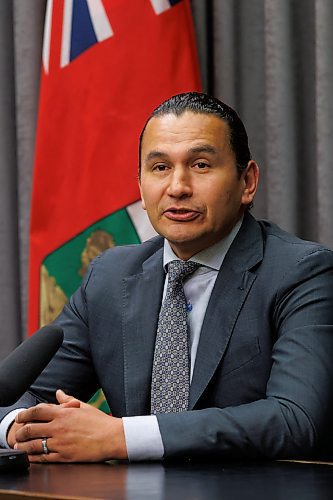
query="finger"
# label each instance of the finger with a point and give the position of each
(36, 453)
(62, 397)
(66, 400)
(33, 447)
(32, 431)
(40, 413)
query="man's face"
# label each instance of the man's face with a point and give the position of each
(189, 182)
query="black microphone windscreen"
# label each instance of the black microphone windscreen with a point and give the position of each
(22, 366)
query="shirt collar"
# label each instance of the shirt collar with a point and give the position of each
(212, 256)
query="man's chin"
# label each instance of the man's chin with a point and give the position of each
(182, 239)
(187, 245)
(180, 233)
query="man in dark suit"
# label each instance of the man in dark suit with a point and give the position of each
(260, 318)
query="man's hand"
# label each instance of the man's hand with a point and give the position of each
(75, 432)
(11, 434)
(68, 402)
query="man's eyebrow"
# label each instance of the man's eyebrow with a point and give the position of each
(206, 148)
(153, 155)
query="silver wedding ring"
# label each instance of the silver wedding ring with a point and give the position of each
(44, 446)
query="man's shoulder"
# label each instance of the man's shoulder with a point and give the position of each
(286, 250)
(284, 261)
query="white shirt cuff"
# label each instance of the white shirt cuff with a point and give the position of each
(4, 426)
(143, 438)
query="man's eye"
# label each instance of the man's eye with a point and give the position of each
(201, 165)
(159, 168)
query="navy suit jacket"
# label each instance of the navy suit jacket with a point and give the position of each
(263, 377)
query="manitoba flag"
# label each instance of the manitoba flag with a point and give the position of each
(106, 65)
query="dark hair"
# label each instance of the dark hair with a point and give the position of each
(204, 104)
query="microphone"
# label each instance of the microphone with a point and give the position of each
(17, 372)
(22, 366)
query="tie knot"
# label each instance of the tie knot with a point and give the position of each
(178, 269)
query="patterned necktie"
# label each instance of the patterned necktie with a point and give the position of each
(171, 375)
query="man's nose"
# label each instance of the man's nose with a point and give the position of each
(180, 183)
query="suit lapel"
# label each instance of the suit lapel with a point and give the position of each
(232, 285)
(142, 295)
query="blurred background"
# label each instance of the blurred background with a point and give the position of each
(272, 60)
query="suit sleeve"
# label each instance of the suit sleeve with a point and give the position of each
(292, 420)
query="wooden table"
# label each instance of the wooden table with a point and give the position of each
(184, 481)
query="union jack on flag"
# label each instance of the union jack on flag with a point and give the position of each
(84, 23)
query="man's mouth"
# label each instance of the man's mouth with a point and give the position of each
(181, 214)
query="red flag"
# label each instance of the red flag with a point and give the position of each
(106, 65)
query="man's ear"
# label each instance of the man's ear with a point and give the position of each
(142, 200)
(250, 178)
